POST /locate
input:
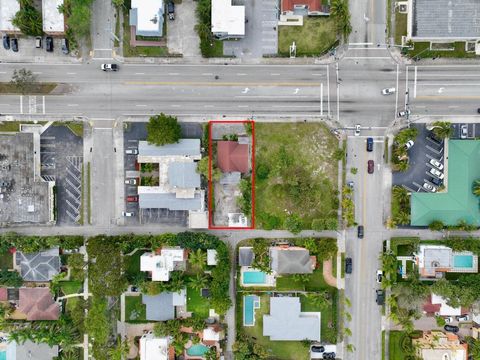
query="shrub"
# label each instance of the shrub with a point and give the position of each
(262, 172)
(436, 225)
(293, 224)
(28, 19)
(163, 129)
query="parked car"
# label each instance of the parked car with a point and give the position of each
(6, 42)
(370, 166)
(380, 299)
(462, 318)
(403, 113)
(131, 151)
(388, 91)
(65, 48)
(128, 214)
(437, 173)
(435, 181)
(49, 44)
(132, 198)
(14, 45)
(409, 144)
(350, 184)
(348, 265)
(38, 42)
(360, 231)
(317, 348)
(451, 328)
(171, 10)
(429, 187)
(329, 355)
(448, 319)
(357, 130)
(369, 144)
(478, 110)
(109, 67)
(131, 181)
(436, 163)
(379, 276)
(464, 131)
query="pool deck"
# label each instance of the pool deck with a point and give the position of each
(473, 269)
(270, 280)
(256, 305)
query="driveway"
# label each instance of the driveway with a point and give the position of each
(181, 35)
(261, 31)
(27, 52)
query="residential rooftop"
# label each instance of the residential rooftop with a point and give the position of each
(228, 20)
(53, 20)
(8, 9)
(40, 266)
(148, 17)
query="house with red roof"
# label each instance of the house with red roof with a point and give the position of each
(305, 7)
(232, 157)
(37, 304)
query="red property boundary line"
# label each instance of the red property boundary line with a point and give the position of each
(210, 220)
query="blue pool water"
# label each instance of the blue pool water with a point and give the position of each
(463, 261)
(254, 277)
(3, 355)
(249, 309)
(197, 350)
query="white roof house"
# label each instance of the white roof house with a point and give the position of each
(161, 265)
(210, 334)
(8, 9)
(228, 21)
(445, 310)
(152, 348)
(53, 20)
(147, 16)
(211, 257)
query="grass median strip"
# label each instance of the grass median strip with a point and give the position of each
(38, 89)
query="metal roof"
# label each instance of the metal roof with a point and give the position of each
(183, 175)
(446, 19)
(291, 261)
(159, 307)
(147, 17)
(245, 256)
(39, 266)
(169, 201)
(184, 147)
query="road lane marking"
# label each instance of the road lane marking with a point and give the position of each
(396, 95)
(321, 99)
(174, 74)
(71, 105)
(43, 103)
(175, 105)
(443, 97)
(70, 73)
(21, 104)
(208, 106)
(241, 74)
(275, 74)
(367, 57)
(139, 73)
(37, 72)
(275, 97)
(3, 72)
(415, 84)
(141, 105)
(437, 84)
(243, 106)
(316, 74)
(210, 84)
(207, 74)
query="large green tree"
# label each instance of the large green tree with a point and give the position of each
(442, 129)
(163, 129)
(339, 11)
(24, 80)
(28, 19)
(10, 278)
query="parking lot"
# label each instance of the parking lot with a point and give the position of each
(61, 157)
(133, 133)
(28, 52)
(424, 149)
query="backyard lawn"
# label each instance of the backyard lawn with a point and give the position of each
(132, 266)
(315, 37)
(328, 332)
(400, 27)
(6, 260)
(278, 349)
(71, 287)
(395, 345)
(316, 282)
(196, 303)
(135, 310)
(296, 173)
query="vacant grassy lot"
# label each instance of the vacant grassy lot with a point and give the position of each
(421, 50)
(400, 27)
(135, 310)
(395, 345)
(296, 173)
(196, 303)
(315, 37)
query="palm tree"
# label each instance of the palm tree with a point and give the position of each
(442, 129)
(476, 187)
(402, 166)
(199, 282)
(347, 331)
(198, 259)
(403, 218)
(400, 194)
(339, 11)
(350, 348)
(120, 351)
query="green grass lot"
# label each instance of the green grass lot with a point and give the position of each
(315, 37)
(420, 50)
(6, 261)
(132, 264)
(71, 287)
(400, 27)
(196, 303)
(403, 245)
(281, 350)
(14, 126)
(215, 49)
(328, 316)
(309, 149)
(135, 310)
(395, 345)
(316, 283)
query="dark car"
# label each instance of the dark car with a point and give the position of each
(435, 181)
(478, 110)
(380, 300)
(318, 349)
(348, 265)
(360, 231)
(371, 166)
(369, 144)
(49, 44)
(171, 10)
(329, 355)
(451, 328)
(65, 49)
(6, 42)
(15, 45)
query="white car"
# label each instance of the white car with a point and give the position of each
(403, 113)
(128, 214)
(448, 319)
(409, 144)
(437, 164)
(131, 181)
(109, 67)
(462, 318)
(388, 91)
(437, 173)
(429, 187)
(464, 131)
(131, 151)
(379, 276)
(357, 130)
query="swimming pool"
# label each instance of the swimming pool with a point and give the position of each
(3, 355)
(250, 303)
(197, 350)
(254, 277)
(463, 261)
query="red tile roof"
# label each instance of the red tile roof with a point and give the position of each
(430, 308)
(38, 304)
(232, 156)
(3, 294)
(313, 5)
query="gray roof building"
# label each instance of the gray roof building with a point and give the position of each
(184, 147)
(169, 201)
(291, 260)
(245, 256)
(287, 322)
(183, 175)
(161, 307)
(40, 266)
(31, 350)
(444, 19)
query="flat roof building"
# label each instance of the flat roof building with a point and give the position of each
(153, 348)
(228, 21)
(435, 345)
(53, 20)
(8, 9)
(147, 16)
(160, 265)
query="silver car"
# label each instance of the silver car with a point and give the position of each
(436, 164)
(429, 187)
(437, 173)
(464, 131)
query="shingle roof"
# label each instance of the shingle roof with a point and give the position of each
(245, 256)
(286, 322)
(169, 201)
(232, 156)
(161, 307)
(290, 260)
(184, 147)
(38, 304)
(458, 203)
(39, 266)
(183, 175)
(446, 19)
